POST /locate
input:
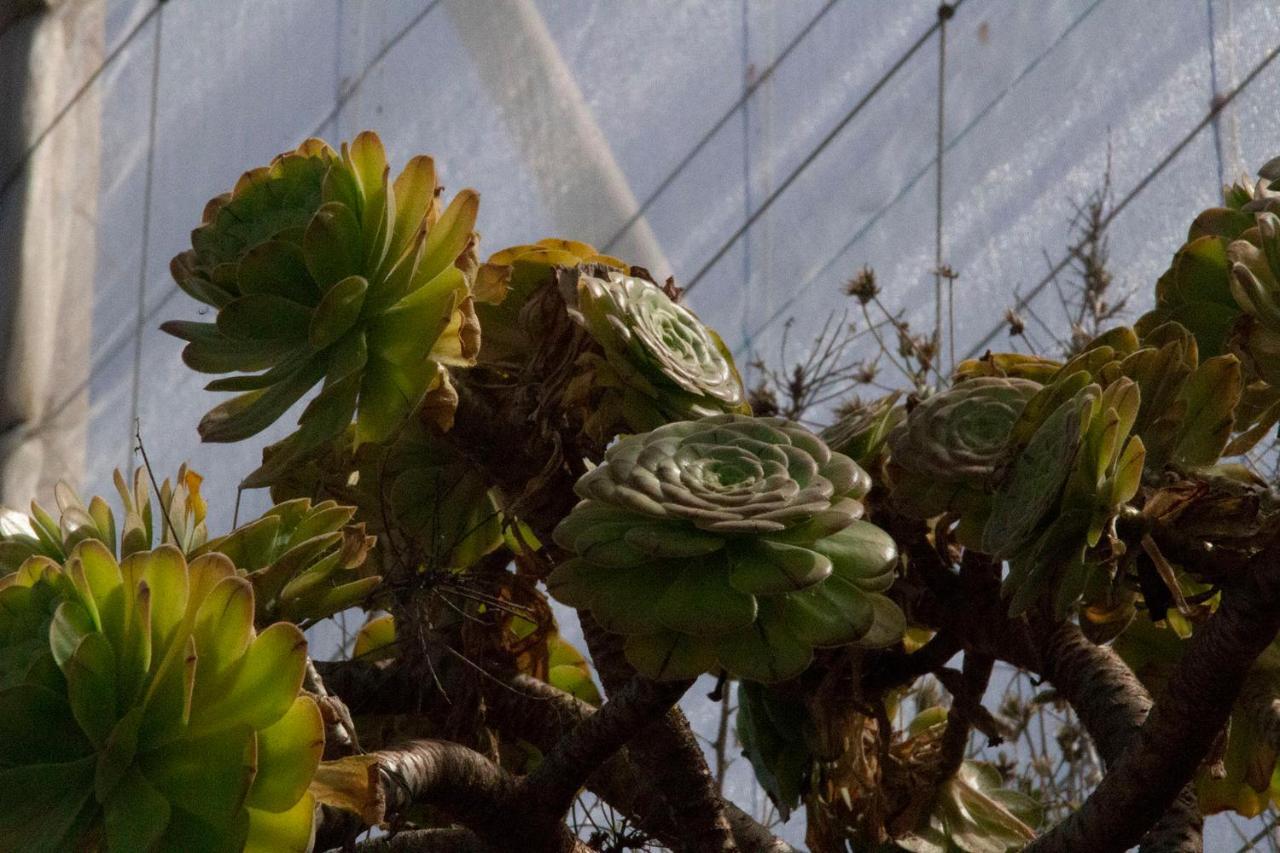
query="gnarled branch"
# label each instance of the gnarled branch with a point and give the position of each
(586, 746)
(671, 754)
(1112, 706)
(1180, 729)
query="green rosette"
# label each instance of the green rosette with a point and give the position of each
(728, 543)
(324, 271)
(946, 454)
(659, 362)
(148, 713)
(306, 561)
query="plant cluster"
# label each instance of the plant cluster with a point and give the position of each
(553, 423)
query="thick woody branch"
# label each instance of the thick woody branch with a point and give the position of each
(539, 713)
(526, 708)
(1110, 701)
(426, 841)
(532, 710)
(460, 781)
(474, 791)
(1105, 694)
(1112, 706)
(592, 741)
(671, 755)
(1180, 729)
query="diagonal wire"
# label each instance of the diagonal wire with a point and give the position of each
(1213, 88)
(817, 150)
(35, 144)
(1217, 106)
(715, 128)
(865, 229)
(944, 13)
(350, 90)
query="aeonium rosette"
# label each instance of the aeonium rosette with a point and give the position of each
(323, 270)
(728, 543)
(660, 362)
(141, 710)
(948, 449)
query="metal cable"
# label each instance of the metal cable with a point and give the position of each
(977, 120)
(817, 150)
(715, 128)
(149, 314)
(944, 13)
(1216, 107)
(145, 241)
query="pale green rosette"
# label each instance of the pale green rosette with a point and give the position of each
(728, 543)
(661, 363)
(947, 452)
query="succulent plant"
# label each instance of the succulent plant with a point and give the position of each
(182, 524)
(505, 282)
(863, 429)
(659, 363)
(1089, 438)
(424, 502)
(1222, 286)
(150, 714)
(1196, 289)
(322, 270)
(1037, 469)
(974, 813)
(730, 543)
(946, 453)
(305, 561)
(1015, 365)
(558, 663)
(776, 734)
(1037, 474)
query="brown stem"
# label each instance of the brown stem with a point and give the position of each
(526, 708)
(474, 791)
(339, 731)
(555, 783)
(896, 668)
(955, 740)
(532, 710)
(1105, 694)
(426, 841)
(458, 780)
(1180, 729)
(720, 748)
(539, 713)
(670, 755)
(1112, 706)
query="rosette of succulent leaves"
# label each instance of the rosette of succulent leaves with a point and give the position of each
(149, 692)
(324, 271)
(731, 544)
(631, 359)
(1068, 471)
